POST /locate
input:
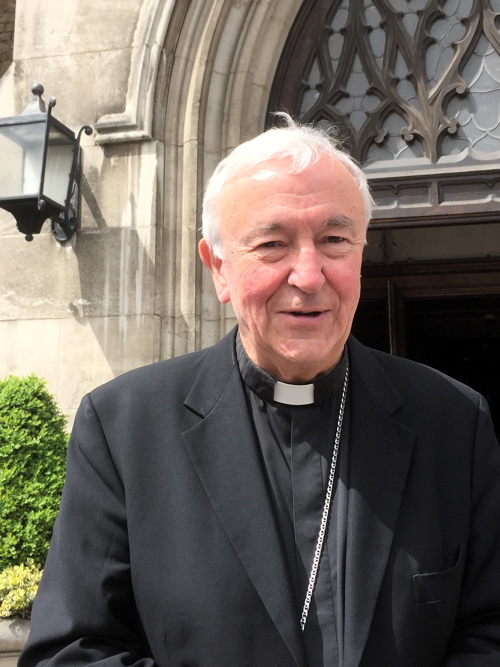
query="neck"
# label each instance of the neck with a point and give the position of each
(268, 388)
(294, 373)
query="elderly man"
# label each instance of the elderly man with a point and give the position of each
(287, 498)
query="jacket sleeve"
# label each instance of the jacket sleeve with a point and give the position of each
(84, 613)
(476, 639)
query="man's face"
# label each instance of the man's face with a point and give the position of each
(291, 247)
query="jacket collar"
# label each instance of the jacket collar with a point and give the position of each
(217, 368)
(229, 467)
(228, 464)
(381, 449)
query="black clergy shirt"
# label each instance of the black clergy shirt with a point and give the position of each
(297, 445)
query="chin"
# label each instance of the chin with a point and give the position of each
(304, 364)
(314, 353)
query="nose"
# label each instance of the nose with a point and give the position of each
(307, 270)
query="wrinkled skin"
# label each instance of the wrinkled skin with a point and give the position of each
(292, 246)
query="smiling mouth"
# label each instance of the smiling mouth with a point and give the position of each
(301, 313)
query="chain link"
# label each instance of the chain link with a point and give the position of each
(326, 507)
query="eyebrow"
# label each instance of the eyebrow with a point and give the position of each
(262, 230)
(342, 222)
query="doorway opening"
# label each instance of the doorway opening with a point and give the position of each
(443, 315)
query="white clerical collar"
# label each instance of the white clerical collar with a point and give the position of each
(293, 394)
(268, 389)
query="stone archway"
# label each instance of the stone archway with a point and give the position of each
(199, 83)
(213, 85)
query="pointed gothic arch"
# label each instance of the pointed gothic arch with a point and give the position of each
(194, 67)
(213, 83)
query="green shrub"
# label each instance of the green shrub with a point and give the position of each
(18, 586)
(33, 445)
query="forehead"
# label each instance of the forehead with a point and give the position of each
(272, 189)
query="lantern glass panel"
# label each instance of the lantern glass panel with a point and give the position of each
(58, 165)
(21, 155)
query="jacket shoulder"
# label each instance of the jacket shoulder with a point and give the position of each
(409, 377)
(176, 374)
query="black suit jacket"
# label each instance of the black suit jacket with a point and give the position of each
(166, 551)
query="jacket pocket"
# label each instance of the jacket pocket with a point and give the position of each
(435, 586)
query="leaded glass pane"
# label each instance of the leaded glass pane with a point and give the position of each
(461, 8)
(414, 80)
(311, 95)
(446, 32)
(377, 35)
(410, 22)
(394, 145)
(407, 6)
(336, 40)
(478, 113)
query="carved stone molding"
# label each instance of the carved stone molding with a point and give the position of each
(136, 122)
(212, 91)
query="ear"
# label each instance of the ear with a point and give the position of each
(216, 267)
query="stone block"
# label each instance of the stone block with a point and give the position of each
(75, 94)
(120, 185)
(76, 355)
(102, 272)
(30, 346)
(114, 71)
(13, 635)
(9, 659)
(95, 350)
(46, 29)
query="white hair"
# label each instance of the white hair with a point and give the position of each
(303, 144)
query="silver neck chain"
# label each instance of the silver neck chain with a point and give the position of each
(326, 507)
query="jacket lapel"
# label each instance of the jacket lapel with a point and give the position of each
(380, 455)
(225, 454)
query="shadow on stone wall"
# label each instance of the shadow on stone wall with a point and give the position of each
(117, 278)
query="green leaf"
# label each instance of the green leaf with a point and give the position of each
(33, 442)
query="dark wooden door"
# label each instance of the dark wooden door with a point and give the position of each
(446, 316)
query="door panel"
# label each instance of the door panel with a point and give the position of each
(440, 317)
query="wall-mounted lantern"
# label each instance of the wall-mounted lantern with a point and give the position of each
(40, 170)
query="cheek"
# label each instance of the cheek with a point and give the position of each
(346, 281)
(256, 284)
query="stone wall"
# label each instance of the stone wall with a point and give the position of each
(13, 635)
(7, 17)
(80, 314)
(165, 84)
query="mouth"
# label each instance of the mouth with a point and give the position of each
(305, 313)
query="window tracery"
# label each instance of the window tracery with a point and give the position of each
(412, 86)
(405, 77)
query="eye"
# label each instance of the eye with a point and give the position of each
(335, 239)
(271, 251)
(270, 244)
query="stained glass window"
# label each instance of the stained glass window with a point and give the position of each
(416, 81)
